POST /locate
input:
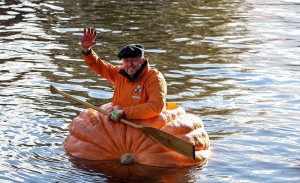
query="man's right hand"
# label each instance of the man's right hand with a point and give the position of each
(88, 39)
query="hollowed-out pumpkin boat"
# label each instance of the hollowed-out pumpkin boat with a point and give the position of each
(93, 137)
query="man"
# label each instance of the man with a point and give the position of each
(140, 90)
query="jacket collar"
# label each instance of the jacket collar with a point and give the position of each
(138, 74)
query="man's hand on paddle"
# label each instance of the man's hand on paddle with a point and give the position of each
(117, 115)
(88, 39)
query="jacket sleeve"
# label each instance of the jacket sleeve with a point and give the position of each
(101, 67)
(157, 92)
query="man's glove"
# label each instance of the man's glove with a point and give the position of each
(88, 39)
(116, 115)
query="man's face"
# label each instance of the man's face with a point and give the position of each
(132, 65)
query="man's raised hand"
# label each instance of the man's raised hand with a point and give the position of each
(88, 39)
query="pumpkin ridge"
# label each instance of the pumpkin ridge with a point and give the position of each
(131, 145)
(141, 149)
(139, 146)
(95, 130)
(106, 150)
(111, 137)
(91, 142)
(117, 138)
(150, 145)
(125, 142)
(83, 140)
(102, 121)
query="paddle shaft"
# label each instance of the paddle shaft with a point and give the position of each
(56, 91)
(170, 141)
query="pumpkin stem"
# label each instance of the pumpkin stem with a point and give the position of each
(127, 159)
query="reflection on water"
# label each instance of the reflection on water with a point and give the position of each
(233, 63)
(116, 172)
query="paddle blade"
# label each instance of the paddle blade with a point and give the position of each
(170, 141)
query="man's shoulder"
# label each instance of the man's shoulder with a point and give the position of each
(154, 74)
(154, 70)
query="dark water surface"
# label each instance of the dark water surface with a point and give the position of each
(235, 64)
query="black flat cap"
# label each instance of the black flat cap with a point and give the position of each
(131, 50)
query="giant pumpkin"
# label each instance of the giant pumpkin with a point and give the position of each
(93, 137)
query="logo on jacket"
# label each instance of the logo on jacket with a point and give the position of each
(137, 92)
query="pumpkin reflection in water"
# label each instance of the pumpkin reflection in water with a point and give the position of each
(115, 172)
(94, 137)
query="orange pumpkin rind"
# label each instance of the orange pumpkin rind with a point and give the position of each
(93, 137)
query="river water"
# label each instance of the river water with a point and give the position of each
(235, 64)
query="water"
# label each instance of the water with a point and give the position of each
(235, 64)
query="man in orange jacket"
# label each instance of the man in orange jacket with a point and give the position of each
(139, 89)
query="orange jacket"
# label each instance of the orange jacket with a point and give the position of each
(140, 99)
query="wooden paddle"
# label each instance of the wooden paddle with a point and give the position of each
(167, 140)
